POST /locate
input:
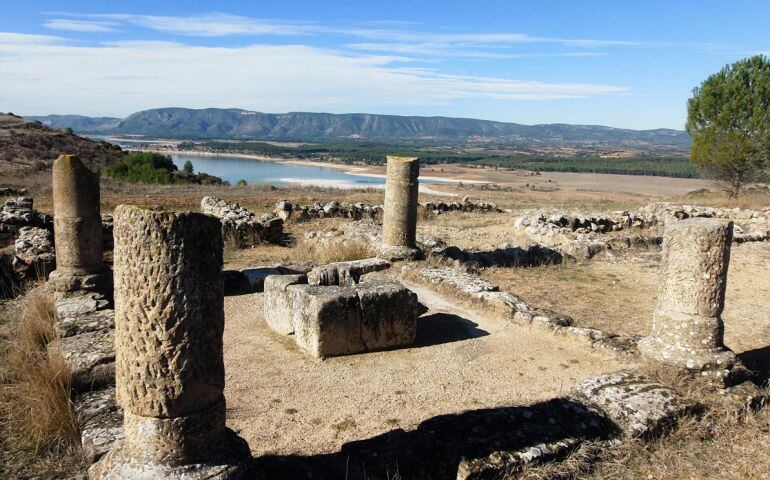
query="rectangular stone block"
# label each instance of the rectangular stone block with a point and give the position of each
(345, 273)
(90, 357)
(256, 276)
(388, 312)
(327, 320)
(278, 302)
(639, 406)
(100, 420)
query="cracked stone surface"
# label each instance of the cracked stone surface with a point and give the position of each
(90, 356)
(639, 406)
(345, 273)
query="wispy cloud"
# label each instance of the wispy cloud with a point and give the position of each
(11, 38)
(210, 25)
(80, 25)
(454, 50)
(262, 77)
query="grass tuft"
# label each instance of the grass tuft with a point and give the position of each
(38, 427)
(331, 251)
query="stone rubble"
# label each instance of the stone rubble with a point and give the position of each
(240, 227)
(34, 256)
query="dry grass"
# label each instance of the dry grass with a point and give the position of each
(719, 444)
(38, 436)
(331, 251)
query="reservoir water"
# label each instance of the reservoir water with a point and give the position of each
(254, 171)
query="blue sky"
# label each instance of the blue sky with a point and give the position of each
(617, 63)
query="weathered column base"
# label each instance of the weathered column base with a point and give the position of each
(398, 253)
(712, 364)
(64, 282)
(192, 447)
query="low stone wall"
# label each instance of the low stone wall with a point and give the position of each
(582, 236)
(240, 227)
(288, 210)
(18, 213)
(484, 295)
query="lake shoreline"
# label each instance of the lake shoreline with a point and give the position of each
(358, 170)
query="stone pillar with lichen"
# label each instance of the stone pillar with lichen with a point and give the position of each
(169, 322)
(400, 211)
(77, 224)
(687, 327)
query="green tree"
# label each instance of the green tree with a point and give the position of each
(187, 167)
(728, 118)
(68, 130)
(241, 183)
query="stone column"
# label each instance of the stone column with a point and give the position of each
(170, 377)
(399, 228)
(687, 327)
(77, 224)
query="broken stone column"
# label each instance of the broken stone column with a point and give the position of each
(399, 229)
(169, 378)
(687, 327)
(77, 227)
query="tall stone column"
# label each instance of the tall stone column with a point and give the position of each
(169, 374)
(77, 225)
(399, 229)
(687, 327)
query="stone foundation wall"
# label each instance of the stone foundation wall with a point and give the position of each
(240, 227)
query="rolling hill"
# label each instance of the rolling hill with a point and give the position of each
(236, 124)
(28, 146)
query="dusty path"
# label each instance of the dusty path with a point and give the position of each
(283, 401)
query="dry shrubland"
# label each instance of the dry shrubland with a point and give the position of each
(38, 428)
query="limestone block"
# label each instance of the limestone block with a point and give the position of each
(639, 406)
(388, 312)
(345, 273)
(90, 357)
(278, 302)
(327, 320)
(100, 421)
(75, 324)
(256, 277)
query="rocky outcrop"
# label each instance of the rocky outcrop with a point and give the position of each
(240, 227)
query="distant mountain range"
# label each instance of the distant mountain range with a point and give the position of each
(236, 124)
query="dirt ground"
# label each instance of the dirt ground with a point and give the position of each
(283, 401)
(618, 294)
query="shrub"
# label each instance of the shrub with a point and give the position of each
(143, 167)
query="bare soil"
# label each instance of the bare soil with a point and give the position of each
(283, 401)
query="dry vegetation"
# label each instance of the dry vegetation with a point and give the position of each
(720, 443)
(38, 429)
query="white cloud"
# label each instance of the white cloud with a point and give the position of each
(457, 50)
(10, 38)
(80, 25)
(212, 25)
(120, 78)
